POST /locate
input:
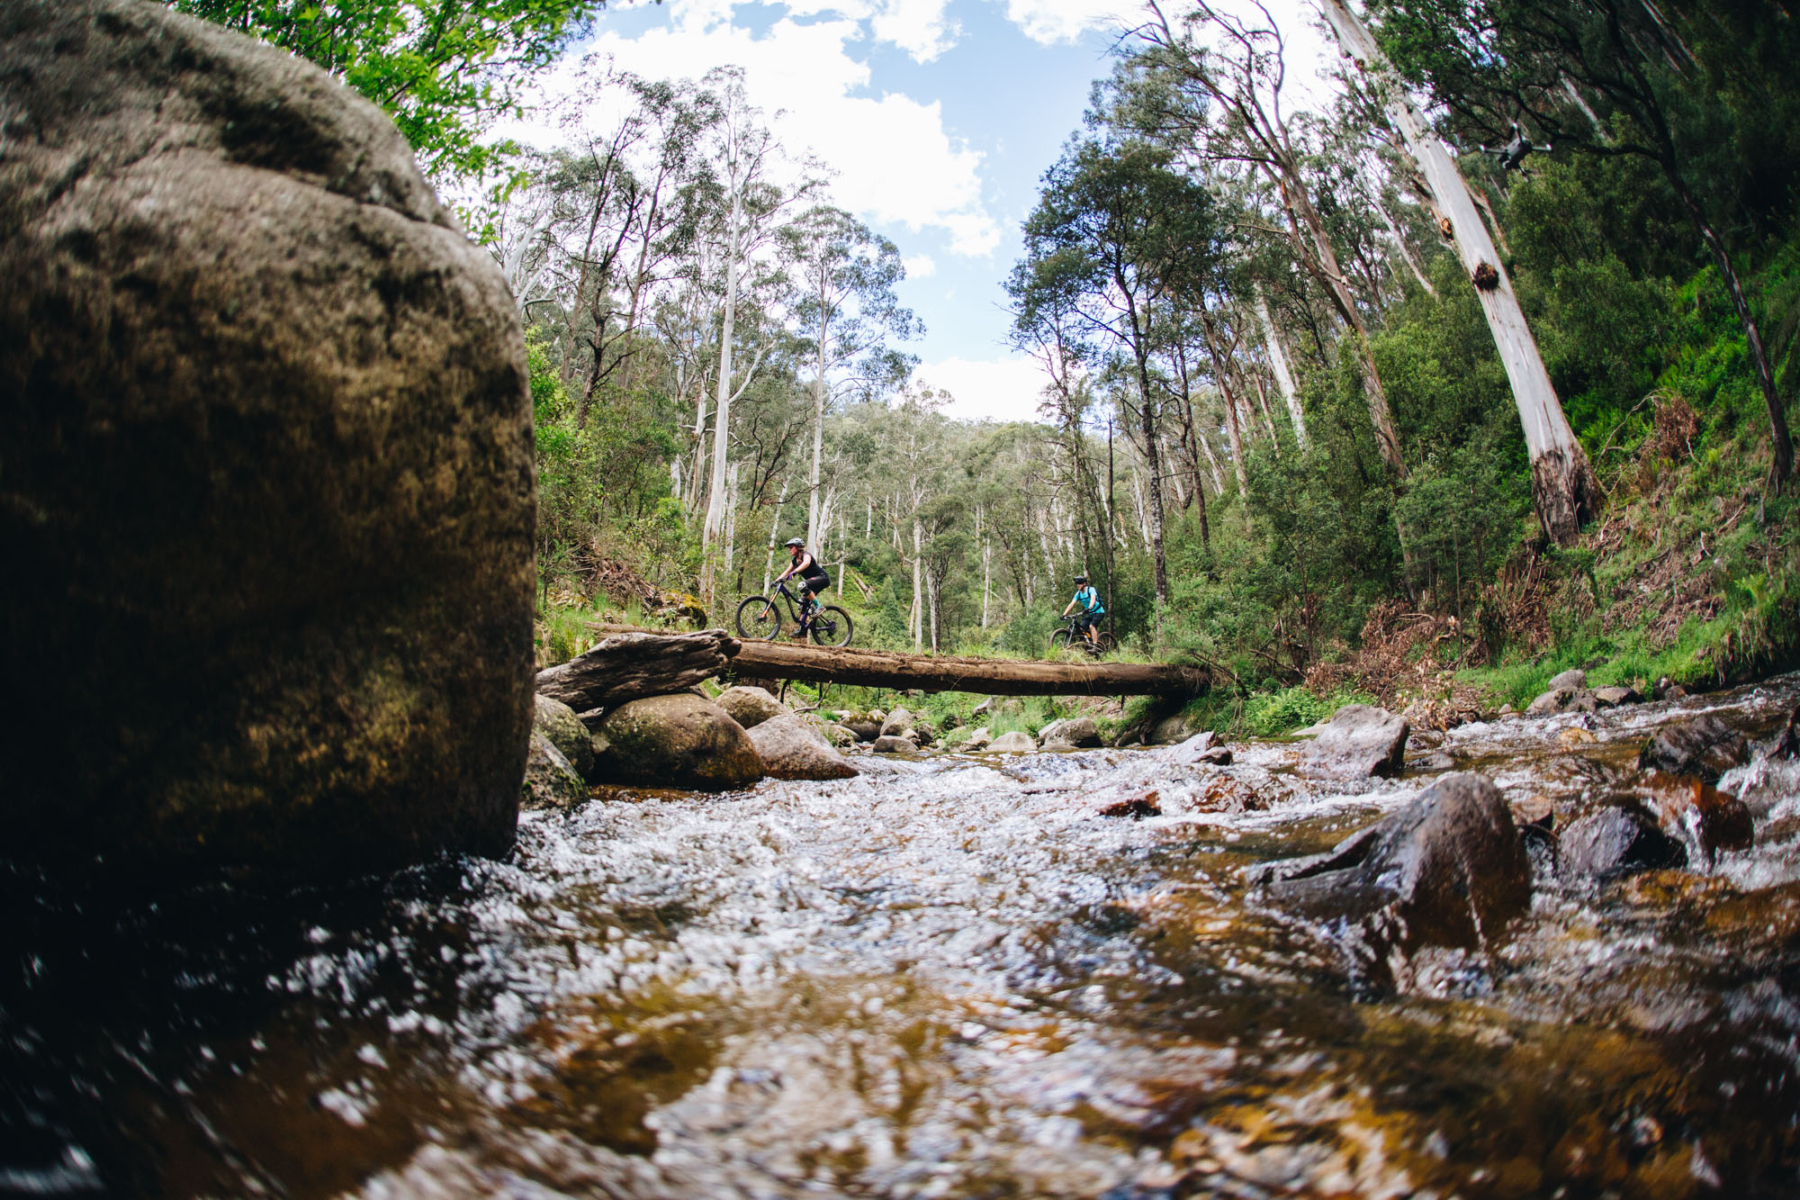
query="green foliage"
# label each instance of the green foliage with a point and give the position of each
(444, 70)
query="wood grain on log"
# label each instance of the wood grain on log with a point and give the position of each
(632, 665)
(990, 676)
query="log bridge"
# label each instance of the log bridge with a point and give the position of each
(631, 663)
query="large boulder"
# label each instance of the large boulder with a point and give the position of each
(1562, 700)
(889, 744)
(679, 741)
(1203, 749)
(266, 476)
(898, 723)
(792, 749)
(1573, 680)
(1016, 742)
(551, 780)
(750, 706)
(1447, 870)
(1703, 748)
(557, 722)
(1069, 733)
(1174, 729)
(1616, 840)
(1358, 742)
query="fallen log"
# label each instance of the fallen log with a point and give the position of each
(630, 666)
(990, 676)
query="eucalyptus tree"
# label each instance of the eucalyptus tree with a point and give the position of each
(845, 277)
(1114, 233)
(1563, 488)
(1225, 104)
(1657, 73)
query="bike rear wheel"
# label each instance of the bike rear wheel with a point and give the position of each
(831, 626)
(1108, 643)
(758, 617)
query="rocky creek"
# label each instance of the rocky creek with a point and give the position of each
(949, 976)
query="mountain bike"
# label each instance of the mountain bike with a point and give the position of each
(1071, 640)
(760, 617)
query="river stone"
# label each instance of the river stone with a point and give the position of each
(978, 738)
(984, 708)
(1069, 734)
(558, 722)
(897, 723)
(1016, 742)
(1562, 700)
(1173, 730)
(266, 473)
(1703, 747)
(1357, 743)
(1202, 748)
(1614, 697)
(1448, 870)
(1787, 745)
(792, 749)
(678, 741)
(886, 744)
(865, 727)
(1573, 680)
(750, 706)
(834, 734)
(923, 732)
(551, 781)
(1616, 840)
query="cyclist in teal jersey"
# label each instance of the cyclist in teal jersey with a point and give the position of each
(1088, 601)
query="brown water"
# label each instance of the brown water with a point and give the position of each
(948, 978)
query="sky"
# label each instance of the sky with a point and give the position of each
(938, 117)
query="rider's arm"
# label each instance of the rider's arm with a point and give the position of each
(1069, 609)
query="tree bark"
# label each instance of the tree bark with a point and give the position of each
(632, 665)
(934, 673)
(1564, 490)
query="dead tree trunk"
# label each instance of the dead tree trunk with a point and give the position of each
(631, 666)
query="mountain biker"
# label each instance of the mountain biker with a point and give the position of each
(813, 579)
(1088, 600)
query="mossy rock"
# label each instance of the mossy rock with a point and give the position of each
(678, 741)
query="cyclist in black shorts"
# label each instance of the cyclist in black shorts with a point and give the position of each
(1088, 601)
(813, 580)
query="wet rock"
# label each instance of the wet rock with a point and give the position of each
(558, 722)
(1615, 696)
(1668, 689)
(750, 706)
(1572, 680)
(978, 739)
(265, 438)
(1135, 807)
(550, 779)
(1574, 736)
(1534, 810)
(1616, 840)
(1016, 742)
(836, 735)
(679, 741)
(1562, 700)
(1069, 734)
(1446, 870)
(1191, 751)
(898, 723)
(864, 726)
(923, 732)
(1713, 820)
(1703, 747)
(1225, 793)
(1357, 743)
(1787, 744)
(792, 749)
(895, 745)
(1435, 761)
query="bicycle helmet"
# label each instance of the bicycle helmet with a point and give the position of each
(1081, 579)
(793, 542)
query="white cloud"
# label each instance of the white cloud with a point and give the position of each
(1003, 389)
(919, 266)
(894, 160)
(1049, 21)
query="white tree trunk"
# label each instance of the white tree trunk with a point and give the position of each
(1284, 376)
(918, 607)
(774, 527)
(1563, 488)
(716, 502)
(818, 432)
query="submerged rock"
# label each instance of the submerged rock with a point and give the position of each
(1703, 747)
(551, 781)
(1136, 807)
(1711, 819)
(679, 741)
(750, 706)
(792, 749)
(1069, 734)
(1447, 870)
(265, 443)
(558, 722)
(1616, 840)
(1016, 742)
(1357, 743)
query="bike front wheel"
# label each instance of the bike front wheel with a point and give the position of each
(757, 617)
(1060, 645)
(831, 626)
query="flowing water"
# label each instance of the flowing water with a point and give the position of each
(950, 977)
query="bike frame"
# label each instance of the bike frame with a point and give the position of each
(793, 605)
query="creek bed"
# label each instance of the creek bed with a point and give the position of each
(949, 977)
